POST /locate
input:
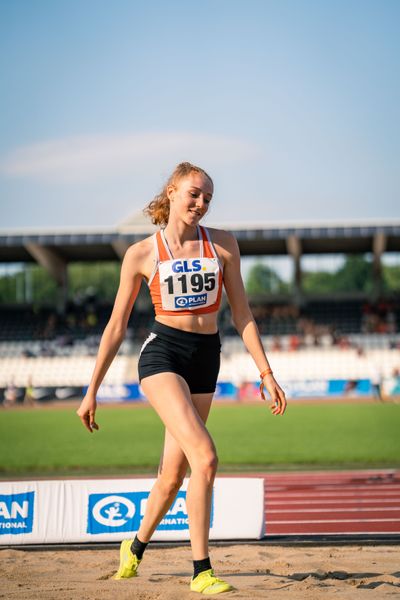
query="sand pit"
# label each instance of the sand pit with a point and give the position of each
(256, 571)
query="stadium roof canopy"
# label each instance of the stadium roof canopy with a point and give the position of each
(110, 243)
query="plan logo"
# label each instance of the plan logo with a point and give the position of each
(189, 301)
(110, 513)
(16, 513)
(123, 512)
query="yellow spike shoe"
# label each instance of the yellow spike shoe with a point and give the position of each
(207, 583)
(128, 562)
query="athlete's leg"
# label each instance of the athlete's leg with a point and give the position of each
(198, 497)
(169, 395)
(171, 472)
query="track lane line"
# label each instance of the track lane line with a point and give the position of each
(319, 494)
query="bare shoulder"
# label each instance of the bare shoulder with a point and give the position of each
(139, 257)
(224, 241)
(140, 249)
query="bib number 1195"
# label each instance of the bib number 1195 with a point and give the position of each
(197, 282)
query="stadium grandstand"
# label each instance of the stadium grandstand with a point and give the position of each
(344, 342)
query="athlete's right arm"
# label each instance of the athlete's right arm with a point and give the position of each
(114, 332)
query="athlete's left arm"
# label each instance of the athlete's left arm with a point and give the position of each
(243, 319)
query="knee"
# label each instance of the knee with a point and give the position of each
(207, 464)
(170, 484)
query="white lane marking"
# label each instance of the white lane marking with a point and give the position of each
(330, 494)
(352, 501)
(350, 532)
(324, 488)
(321, 510)
(336, 521)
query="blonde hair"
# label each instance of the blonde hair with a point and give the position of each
(158, 209)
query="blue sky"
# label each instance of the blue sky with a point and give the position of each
(292, 106)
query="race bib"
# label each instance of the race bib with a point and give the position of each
(189, 283)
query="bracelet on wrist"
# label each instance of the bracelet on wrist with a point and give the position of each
(267, 371)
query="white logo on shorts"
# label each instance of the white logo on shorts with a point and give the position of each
(151, 337)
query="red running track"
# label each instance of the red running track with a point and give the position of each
(329, 502)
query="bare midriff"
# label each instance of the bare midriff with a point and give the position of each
(206, 323)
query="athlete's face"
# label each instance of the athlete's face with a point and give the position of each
(190, 197)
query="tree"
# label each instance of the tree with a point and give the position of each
(101, 277)
(391, 278)
(262, 279)
(354, 275)
(318, 282)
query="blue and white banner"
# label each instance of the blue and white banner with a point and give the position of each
(225, 389)
(124, 392)
(16, 513)
(311, 388)
(111, 510)
(132, 392)
(123, 512)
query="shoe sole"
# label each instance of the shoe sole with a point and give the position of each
(213, 593)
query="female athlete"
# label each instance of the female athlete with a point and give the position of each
(185, 266)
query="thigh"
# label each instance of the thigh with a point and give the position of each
(169, 395)
(173, 461)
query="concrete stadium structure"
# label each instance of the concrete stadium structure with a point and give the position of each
(28, 353)
(54, 249)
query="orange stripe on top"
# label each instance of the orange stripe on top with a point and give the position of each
(163, 255)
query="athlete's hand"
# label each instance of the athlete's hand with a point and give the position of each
(276, 393)
(86, 412)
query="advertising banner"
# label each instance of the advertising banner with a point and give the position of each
(311, 388)
(101, 510)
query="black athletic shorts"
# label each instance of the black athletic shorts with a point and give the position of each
(194, 356)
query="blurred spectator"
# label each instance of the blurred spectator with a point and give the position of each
(91, 319)
(376, 381)
(378, 318)
(276, 344)
(360, 351)
(350, 387)
(50, 327)
(26, 353)
(344, 343)
(10, 395)
(46, 349)
(294, 343)
(29, 399)
(248, 391)
(65, 340)
(395, 387)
